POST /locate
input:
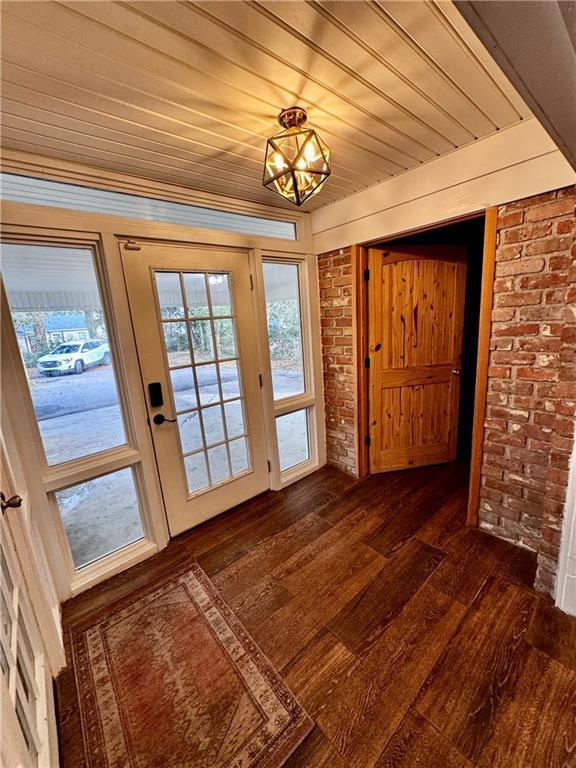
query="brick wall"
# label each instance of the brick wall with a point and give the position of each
(337, 357)
(531, 401)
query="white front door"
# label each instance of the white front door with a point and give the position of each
(197, 338)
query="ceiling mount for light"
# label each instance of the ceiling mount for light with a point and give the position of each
(297, 160)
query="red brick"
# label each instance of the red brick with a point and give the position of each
(537, 374)
(503, 284)
(499, 372)
(559, 262)
(550, 210)
(517, 329)
(518, 299)
(512, 358)
(510, 219)
(548, 245)
(520, 267)
(543, 280)
(531, 232)
(502, 315)
(508, 253)
(527, 202)
(564, 226)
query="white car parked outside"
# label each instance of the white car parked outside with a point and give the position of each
(74, 357)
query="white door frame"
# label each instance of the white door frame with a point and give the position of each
(566, 578)
(60, 226)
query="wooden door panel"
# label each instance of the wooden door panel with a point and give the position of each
(414, 416)
(416, 320)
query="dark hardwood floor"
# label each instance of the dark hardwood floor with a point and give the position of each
(410, 639)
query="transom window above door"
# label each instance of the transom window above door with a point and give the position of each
(200, 343)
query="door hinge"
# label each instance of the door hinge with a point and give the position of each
(367, 440)
(131, 245)
(261, 380)
(366, 275)
(251, 283)
(269, 467)
(366, 362)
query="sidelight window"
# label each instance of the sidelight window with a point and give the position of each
(55, 305)
(67, 356)
(282, 288)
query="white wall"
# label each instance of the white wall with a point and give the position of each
(514, 163)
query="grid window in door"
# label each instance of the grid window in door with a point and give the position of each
(20, 657)
(199, 331)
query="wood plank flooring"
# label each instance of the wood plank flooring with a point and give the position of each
(412, 641)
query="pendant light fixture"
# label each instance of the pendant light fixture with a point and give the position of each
(297, 160)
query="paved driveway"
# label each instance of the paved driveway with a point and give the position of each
(78, 415)
(95, 389)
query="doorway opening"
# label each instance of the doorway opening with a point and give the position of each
(419, 397)
(469, 235)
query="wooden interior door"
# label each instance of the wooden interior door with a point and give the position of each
(416, 318)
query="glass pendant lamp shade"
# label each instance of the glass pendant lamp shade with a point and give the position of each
(297, 160)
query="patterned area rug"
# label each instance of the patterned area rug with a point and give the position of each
(173, 680)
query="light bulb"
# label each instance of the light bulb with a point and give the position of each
(310, 152)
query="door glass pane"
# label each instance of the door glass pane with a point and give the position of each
(24, 638)
(190, 431)
(293, 445)
(230, 377)
(5, 620)
(176, 343)
(184, 388)
(234, 418)
(169, 294)
(219, 467)
(61, 330)
(239, 456)
(4, 666)
(202, 343)
(26, 729)
(100, 516)
(208, 386)
(282, 291)
(196, 294)
(6, 574)
(207, 395)
(213, 424)
(220, 295)
(225, 342)
(24, 679)
(196, 472)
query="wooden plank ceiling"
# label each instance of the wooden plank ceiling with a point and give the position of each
(187, 93)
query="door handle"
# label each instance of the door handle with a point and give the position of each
(14, 502)
(160, 419)
(457, 371)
